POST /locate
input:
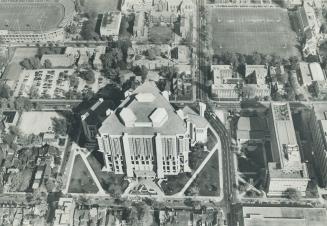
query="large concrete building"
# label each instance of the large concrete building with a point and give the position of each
(287, 170)
(318, 127)
(146, 137)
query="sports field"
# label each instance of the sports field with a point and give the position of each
(30, 17)
(102, 6)
(246, 30)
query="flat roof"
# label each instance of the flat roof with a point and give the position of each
(111, 20)
(316, 72)
(276, 216)
(113, 125)
(284, 129)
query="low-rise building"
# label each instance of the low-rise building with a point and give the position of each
(287, 169)
(290, 216)
(309, 73)
(318, 127)
(64, 214)
(255, 82)
(225, 86)
(110, 24)
(251, 129)
(93, 118)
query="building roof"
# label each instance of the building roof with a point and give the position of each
(284, 130)
(251, 128)
(139, 114)
(111, 20)
(305, 73)
(290, 216)
(196, 119)
(258, 71)
(316, 72)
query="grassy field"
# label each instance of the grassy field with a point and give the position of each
(246, 30)
(101, 6)
(207, 182)
(30, 17)
(160, 34)
(112, 183)
(81, 180)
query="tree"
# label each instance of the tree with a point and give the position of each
(5, 91)
(73, 80)
(293, 194)
(71, 29)
(60, 126)
(31, 63)
(88, 76)
(47, 64)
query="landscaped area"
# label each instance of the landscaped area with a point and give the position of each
(81, 180)
(110, 182)
(252, 158)
(161, 34)
(175, 183)
(246, 30)
(207, 182)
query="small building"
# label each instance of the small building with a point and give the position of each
(93, 118)
(110, 24)
(251, 129)
(316, 72)
(64, 214)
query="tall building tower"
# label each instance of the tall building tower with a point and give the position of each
(287, 170)
(145, 137)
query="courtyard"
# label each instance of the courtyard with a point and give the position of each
(248, 30)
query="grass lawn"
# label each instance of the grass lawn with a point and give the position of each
(212, 140)
(110, 182)
(196, 157)
(175, 183)
(81, 180)
(246, 30)
(207, 182)
(160, 34)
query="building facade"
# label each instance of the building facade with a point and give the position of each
(146, 137)
(318, 127)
